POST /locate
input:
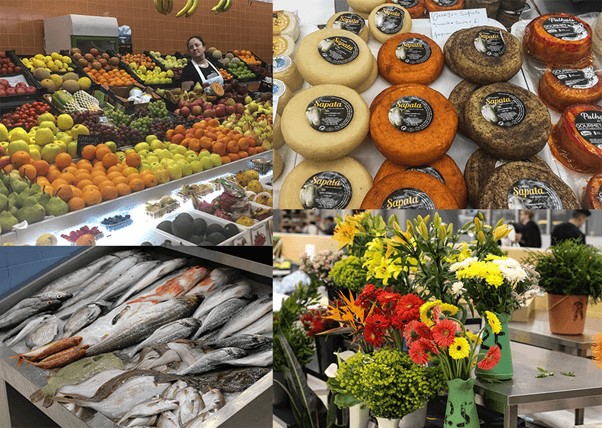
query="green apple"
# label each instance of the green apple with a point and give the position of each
(62, 144)
(18, 133)
(50, 125)
(144, 167)
(51, 151)
(46, 117)
(141, 146)
(181, 149)
(191, 158)
(175, 171)
(111, 145)
(16, 145)
(156, 145)
(3, 132)
(44, 136)
(165, 154)
(144, 153)
(150, 138)
(161, 174)
(79, 130)
(152, 158)
(206, 162)
(190, 152)
(4, 145)
(186, 168)
(197, 166)
(178, 157)
(216, 160)
(72, 149)
(35, 154)
(204, 153)
(64, 122)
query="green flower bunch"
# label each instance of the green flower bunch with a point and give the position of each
(348, 273)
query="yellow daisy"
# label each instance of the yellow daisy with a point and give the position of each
(473, 337)
(448, 308)
(425, 309)
(493, 322)
(459, 349)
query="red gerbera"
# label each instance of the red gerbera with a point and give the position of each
(367, 296)
(406, 310)
(416, 330)
(491, 359)
(444, 333)
(418, 352)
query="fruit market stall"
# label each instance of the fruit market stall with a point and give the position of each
(219, 286)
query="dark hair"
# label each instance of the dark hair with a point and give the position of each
(528, 213)
(195, 37)
(329, 218)
(518, 228)
(581, 213)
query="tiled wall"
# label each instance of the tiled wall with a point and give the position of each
(247, 25)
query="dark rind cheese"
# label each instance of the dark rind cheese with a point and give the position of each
(409, 190)
(513, 130)
(484, 54)
(560, 88)
(458, 97)
(448, 47)
(443, 5)
(559, 39)
(413, 125)
(444, 169)
(479, 168)
(593, 193)
(410, 58)
(525, 185)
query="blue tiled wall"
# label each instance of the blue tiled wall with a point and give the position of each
(19, 265)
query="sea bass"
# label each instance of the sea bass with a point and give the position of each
(239, 290)
(214, 400)
(212, 359)
(216, 279)
(82, 318)
(176, 286)
(220, 315)
(248, 315)
(247, 342)
(12, 318)
(263, 325)
(180, 329)
(81, 275)
(127, 279)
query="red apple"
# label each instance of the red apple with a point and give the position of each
(21, 85)
(184, 111)
(196, 110)
(207, 106)
(4, 82)
(220, 111)
(11, 91)
(21, 90)
(240, 108)
(230, 110)
(31, 89)
(209, 113)
(4, 160)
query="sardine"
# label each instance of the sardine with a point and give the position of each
(168, 420)
(247, 342)
(29, 327)
(263, 325)
(216, 279)
(191, 405)
(248, 315)
(145, 323)
(63, 358)
(126, 280)
(81, 275)
(259, 359)
(149, 408)
(176, 286)
(212, 359)
(220, 315)
(240, 290)
(81, 318)
(214, 400)
(15, 317)
(180, 329)
(153, 275)
(46, 332)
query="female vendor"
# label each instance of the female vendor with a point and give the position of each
(198, 69)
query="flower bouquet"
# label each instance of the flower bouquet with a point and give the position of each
(319, 266)
(317, 325)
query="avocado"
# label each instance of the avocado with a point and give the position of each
(182, 227)
(230, 230)
(206, 244)
(214, 228)
(200, 226)
(185, 216)
(216, 238)
(165, 226)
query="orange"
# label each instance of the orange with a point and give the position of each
(195, 144)
(63, 160)
(28, 171)
(149, 180)
(169, 134)
(83, 175)
(68, 177)
(89, 187)
(101, 151)
(42, 181)
(72, 169)
(63, 191)
(123, 189)
(180, 129)
(84, 163)
(97, 173)
(116, 168)
(92, 197)
(99, 179)
(136, 184)
(234, 156)
(114, 174)
(83, 183)
(20, 158)
(133, 176)
(8, 168)
(226, 159)
(48, 189)
(42, 166)
(109, 192)
(109, 160)
(133, 159)
(177, 138)
(76, 203)
(76, 191)
(57, 182)
(120, 179)
(98, 166)
(89, 152)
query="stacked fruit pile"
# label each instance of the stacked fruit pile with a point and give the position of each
(7, 66)
(20, 88)
(24, 116)
(170, 63)
(55, 62)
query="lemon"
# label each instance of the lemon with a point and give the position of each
(55, 55)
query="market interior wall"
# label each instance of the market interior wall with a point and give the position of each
(245, 26)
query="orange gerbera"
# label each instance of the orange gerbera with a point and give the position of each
(597, 350)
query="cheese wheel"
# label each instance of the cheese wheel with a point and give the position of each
(281, 94)
(415, 8)
(285, 23)
(445, 170)
(597, 36)
(336, 184)
(367, 84)
(283, 45)
(413, 125)
(388, 20)
(507, 121)
(593, 193)
(576, 139)
(443, 5)
(384, 92)
(409, 190)
(479, 168)
(334, 56)
(447, 49)
(364, 15)
(277, 137)
(285, 70)
(410, 58)
(458, 97)
(518, 185)
(325, 122)
(364, 6)
(558, 39)
(278, 165)
(485, 54)
(560, 88)
(351, 22)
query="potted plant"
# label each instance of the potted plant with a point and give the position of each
(571, 274)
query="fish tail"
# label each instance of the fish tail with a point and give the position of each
(37, 396)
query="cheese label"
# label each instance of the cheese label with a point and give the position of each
(533, 194)
(281, 21)
(338, 50)
(503, 109)
(589, 126)
(350, 22)
(413, 51)
(279, 45)
(406, 3)
(565, 28)
(282, 63)
(584, 78)
(600, 195)
(404, 199)
(490, 43)
(329, 114)
(326, 190)
(430, 171)
(389, 19)
(410, 114)
(446, 3)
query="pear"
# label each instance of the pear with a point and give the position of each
(56, 207)
(17, 184)
(44, 136)
(46, 239)
(3, 132)
(7, 221)
(31, 214)
(45, 117)
(64, 122)
(3, 202)
(50, 125)
(3, 189)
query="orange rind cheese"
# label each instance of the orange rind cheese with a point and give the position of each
(560, 88)
(593, 193)
(443, 5)
(416, 8)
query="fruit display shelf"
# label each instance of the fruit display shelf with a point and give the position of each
(161, 64)
(15, 61)
(10, 102)
(143, 228)
(254, 403)
(123, 65)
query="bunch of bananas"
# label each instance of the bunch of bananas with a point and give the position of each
(222, 6)
(164, 6)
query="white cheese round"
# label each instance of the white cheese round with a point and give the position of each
(277, 137)
(365, 6)
(283, 45)
(388, 20)
(277, 165)
(286, 23)
(349, 21)
(285, 69)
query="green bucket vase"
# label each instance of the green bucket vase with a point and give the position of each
(461, 410)
(503, 369)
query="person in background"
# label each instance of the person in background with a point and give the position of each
(327, 226)
(515, 235)
(311, 228)
(531, 236)
(198, 69)
(571, 229)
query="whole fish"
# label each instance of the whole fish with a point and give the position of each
(149, 408)
(127, 279)
(147, 421)
(184, 351)
(89, 388)
(51, 295)
(176, 286)
(151, 289)
(191, 405)
(146, 321)
(220, 315)
(230, 380)
(164, 268)
(81, 318)
(63, 358)
(216, 279)
(81, 275)
(45, 333)
(212, 359)
(247, 342)
(167, 420)
(167, 357)
(50, 349)
(171, 392)
(240, 290)
(263, 325)
(16, 317)
(248, 315)
(179, 329)
(29, 328)
(214, 400)
(259, 359)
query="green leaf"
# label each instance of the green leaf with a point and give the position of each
(569, 374)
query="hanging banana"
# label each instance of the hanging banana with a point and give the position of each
(167, 6)
(222, 6)
(192, 9)
(159, 7)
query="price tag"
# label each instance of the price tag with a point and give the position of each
(84, 140)
(444, 24)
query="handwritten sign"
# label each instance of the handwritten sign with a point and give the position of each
(84, 140)
(444, 24)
